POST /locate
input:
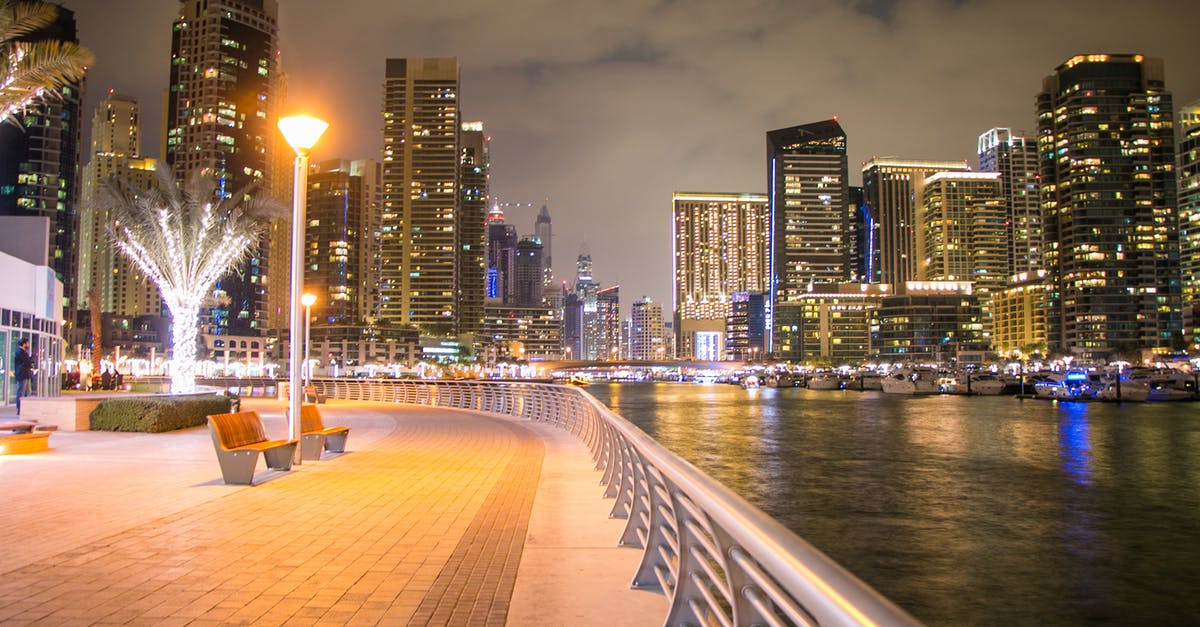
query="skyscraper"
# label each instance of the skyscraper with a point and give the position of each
(1108, 189)
(341, 241)
(807, 192)
(963, 230)
(586, 287)
(892, 191)
(864, 239)
(115, 147)
(1014, 155)
(528, 267)
(646, 341)
(608, 318)
(220, 117)
(542, 229)
(721, 247)
(39, 165)
(1189, 218)
(474, 175)
(420, 193)
(501, 258)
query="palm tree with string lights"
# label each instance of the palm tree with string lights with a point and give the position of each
(32, 66)
(185, 238)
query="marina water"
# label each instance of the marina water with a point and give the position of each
(963, 510)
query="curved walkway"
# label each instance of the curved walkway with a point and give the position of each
(433, 517)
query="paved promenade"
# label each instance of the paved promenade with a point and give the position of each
(432, 517)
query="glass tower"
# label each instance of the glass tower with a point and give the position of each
(220, 118)
(421, 160)
(1108, 188)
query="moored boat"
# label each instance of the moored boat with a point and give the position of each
(911, 381)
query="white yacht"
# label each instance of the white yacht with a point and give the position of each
(825, 380)
(911, 381)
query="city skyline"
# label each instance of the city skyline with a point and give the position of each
(603, 120)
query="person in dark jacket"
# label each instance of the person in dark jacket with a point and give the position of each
(23, 367)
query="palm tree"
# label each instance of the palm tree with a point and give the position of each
(29, 69)
(184, 239)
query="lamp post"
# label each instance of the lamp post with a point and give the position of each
(301, 132)
(307, 299)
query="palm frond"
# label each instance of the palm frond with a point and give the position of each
(18, 19)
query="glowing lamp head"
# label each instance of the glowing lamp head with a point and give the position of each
(302, 131)
(308, 299)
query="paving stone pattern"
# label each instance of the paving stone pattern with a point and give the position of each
(422, 522)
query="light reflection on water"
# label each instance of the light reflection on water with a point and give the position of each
(980, 510)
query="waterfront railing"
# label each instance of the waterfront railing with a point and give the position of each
(718, 559)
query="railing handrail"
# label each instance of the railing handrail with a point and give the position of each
(717, 557)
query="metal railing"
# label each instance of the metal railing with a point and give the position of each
(718, 559)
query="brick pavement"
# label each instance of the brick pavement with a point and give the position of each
(422, 522)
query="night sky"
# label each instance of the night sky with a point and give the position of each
(602, 109)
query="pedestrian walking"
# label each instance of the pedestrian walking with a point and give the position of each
(23, 367)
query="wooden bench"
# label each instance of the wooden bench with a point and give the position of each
(311, 396)
(315, 436)
(239, 438)
(17, 437)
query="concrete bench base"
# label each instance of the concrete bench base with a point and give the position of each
(67, 413)
(23, 443)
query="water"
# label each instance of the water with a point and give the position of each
(962, 510)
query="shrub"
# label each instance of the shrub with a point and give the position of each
(155, 414)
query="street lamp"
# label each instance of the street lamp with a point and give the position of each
(301, 132)
(307, 299)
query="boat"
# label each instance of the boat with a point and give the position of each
(825, 381)
(580, 380)
(751, 382)
(1074, 384)
(864, 380)
(981, 383)
(911, 382)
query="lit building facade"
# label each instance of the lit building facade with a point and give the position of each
(963, 234)
(221, 108)
(528, 268)
(745, 328)
(124, 289)
(807, 194)
(500, 277)
(608, 320)
(721, 247)
(1020, 315)
(543, 229)
(1014, 155)
(1189, 219)
(474, 190)
(863, 246)
(524, 332)
(646, 336)
(1108, 188)
(834, 324)
(420, 194)
(30, 304)
(929, 322)
(892, 190)
(341, 241)
(40, 153)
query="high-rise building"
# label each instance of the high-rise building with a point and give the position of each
(221, 108)
(420, 193)
(341, 241)
(528, 267)
(745, 328)
(646, 339)
(863, 245)
(807, 193)
(929, 322)
(1014, 155)
(892, 191)
(39, 165)
(591, 335)
(543, 230)
(721, 247)
(115, 151)
(474, 186)
(1108, 188)
(1189, 219)
(963, 235)
(608, 319)
(500, 282)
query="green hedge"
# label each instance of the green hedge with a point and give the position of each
(155, 414)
